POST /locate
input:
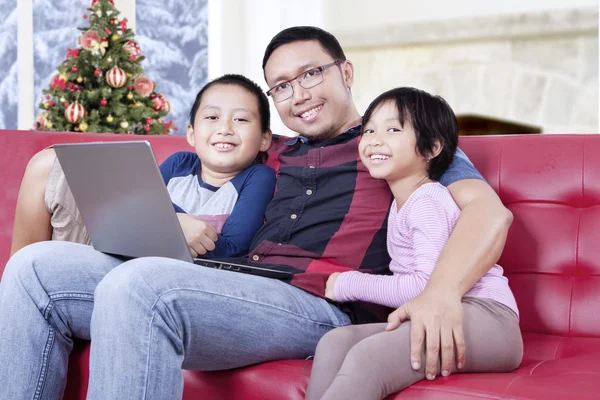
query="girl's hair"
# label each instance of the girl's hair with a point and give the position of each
(252, 88)
(432, 120)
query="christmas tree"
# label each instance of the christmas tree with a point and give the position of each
(101, 87)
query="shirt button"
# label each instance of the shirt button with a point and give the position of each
(293, 216)
(255, 257)
(309, 192)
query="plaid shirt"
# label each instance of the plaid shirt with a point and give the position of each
(328, 215)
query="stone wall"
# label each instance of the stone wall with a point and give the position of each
(537, 68)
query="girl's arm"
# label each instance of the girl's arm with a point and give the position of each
(427, 223)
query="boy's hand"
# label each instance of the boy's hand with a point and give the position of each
(330, 284)
(199, 234)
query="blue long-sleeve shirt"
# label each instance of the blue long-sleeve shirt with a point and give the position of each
(236, 209)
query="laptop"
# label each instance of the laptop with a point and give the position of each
(125, 206)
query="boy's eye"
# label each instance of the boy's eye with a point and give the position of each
(393, 130)
(211, 117)
(241, 119)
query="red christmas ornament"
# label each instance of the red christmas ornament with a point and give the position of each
(51, 104)
(74, 112)
(158, 102)
(74, 68)
(116, 77)
(133, 49)
(143, 85)
(103, 102)
(130, 88)
(149, 121)
(97, 72)
(86, 113)
(89, 39)
(107, 31)
(85, 16)
(112, 21)
(48, 97)
(96, 2)
(147, 128)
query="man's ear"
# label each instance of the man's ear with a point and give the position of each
(190, 135)
(348, 73)
(266, 140)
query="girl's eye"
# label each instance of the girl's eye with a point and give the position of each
(368, 131)
(393, 130)
(241, 120)
(211, 117)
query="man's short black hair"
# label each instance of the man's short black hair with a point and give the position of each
(305, 33)
(432, 120)
(245, 83)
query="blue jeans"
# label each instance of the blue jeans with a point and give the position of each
(147, 318)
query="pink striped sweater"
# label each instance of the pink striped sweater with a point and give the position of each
(415, 238)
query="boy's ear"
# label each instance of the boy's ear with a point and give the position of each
(266, 140)
(190, 135)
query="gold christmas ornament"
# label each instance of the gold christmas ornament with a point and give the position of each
(79, 79)
(63, 77)
(124, 124)
(115, 37)
(83, 126)
(62, 99)
(109, 118)
(49, 124)
(130, 96)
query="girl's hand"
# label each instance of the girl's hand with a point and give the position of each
(330, 284)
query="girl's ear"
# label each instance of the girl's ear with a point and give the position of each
(266, 140)
(190, 135)
(436, 149)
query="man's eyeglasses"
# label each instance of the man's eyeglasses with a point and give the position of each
(311, 78)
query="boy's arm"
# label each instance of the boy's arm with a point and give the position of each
(473, 248)
(247, 216)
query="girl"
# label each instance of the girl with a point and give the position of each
(219, 193)
(409, 138)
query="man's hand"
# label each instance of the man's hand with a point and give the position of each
(330, 284)
(199, 234)
(437, 318)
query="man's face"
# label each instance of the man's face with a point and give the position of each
(323, 111)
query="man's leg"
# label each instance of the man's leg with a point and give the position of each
(154, 316)
(46, 300)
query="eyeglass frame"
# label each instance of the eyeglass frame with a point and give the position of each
(319, 68)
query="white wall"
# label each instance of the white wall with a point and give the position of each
(347, 15)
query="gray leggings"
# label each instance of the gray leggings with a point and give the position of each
(364, 362)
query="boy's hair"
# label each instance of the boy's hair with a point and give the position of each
(432, 120)
(305, 33)
(245, 83)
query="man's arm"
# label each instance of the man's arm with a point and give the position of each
(473, 248)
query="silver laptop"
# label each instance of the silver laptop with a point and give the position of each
(125, 206)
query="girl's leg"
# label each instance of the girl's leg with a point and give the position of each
(380, 364)
(32, 219)
(330, 354)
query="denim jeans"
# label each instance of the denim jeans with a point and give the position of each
(147, 318)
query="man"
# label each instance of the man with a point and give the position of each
(150, 317)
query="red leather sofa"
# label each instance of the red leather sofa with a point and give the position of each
(551, 183)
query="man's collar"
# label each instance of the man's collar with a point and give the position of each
(354, 130)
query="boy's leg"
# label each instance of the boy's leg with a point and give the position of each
(46, 300)
(380, 364)
(153, 316)
(331, 351)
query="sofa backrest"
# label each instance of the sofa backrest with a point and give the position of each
(551, 183)
(17, 147)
